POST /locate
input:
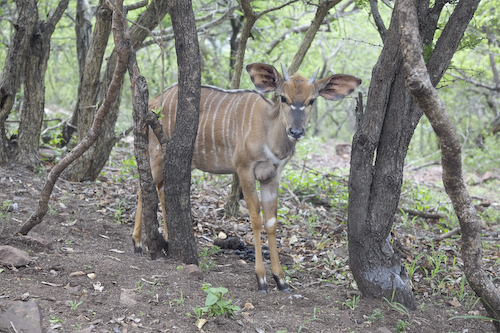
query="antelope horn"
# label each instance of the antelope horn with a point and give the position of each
(286, 77)
(313, 77)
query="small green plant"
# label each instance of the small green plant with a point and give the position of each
(139, 285)
(118, 213)
(376, 316)
(217, 302)
(411, 268)
(402, 325)
(54, 320)
(74, 304)
(177, 302)
(205, 262)
(309, 320)
(52, 210)
(352, 303)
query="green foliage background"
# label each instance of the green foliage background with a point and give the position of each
(349, 44)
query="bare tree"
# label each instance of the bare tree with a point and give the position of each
(424, 93)
(379, 148)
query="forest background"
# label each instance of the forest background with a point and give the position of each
(347, 42)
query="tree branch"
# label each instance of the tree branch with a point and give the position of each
(424, 93)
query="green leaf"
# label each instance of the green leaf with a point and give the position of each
(211, 299)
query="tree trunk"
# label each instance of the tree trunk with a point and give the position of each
(35, 63)
(88, 90)
(386, 128)
(106, 141)
(427, 98)
(11, 74)
(177, 160)
(83, 31)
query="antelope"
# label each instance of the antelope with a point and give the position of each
(244, 132)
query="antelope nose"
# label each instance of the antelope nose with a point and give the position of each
(297, 133)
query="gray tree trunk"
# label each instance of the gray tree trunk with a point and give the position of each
(177, 160)
(35, 62)
(88, 90)
(10, 81)
(386, 129)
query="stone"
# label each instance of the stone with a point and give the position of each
(21, 316)
(11, 256)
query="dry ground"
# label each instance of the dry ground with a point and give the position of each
(88, 230)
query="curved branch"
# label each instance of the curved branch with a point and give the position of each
(382, 30)
(424, 93)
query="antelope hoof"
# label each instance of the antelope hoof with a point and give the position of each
(137, 249)
(262, 285)
(282, 286)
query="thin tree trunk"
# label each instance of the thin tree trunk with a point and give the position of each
(179, 154)
(146, 21)
(89, 88)
(83, 31)
(425, 94)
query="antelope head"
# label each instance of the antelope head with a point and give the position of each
(296, 94)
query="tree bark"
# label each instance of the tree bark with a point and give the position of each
(323, 9)
(83, 31)
(386, 129)
(35, 63)
(88, 90)
(426, 96)
(10, 80)
(106, 141)
(179, 154)
(123, 50)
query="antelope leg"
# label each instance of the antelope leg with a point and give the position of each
(247, 181)
(269, 198)
(137, 233)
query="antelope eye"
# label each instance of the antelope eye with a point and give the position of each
(311, 102)
(283, 99)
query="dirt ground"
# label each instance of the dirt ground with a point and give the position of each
(84, 274)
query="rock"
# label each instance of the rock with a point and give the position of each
(193, 270)
(11, 256)
(24, 316)
(127, 297)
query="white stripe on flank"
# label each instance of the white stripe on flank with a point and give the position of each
(245, 108)
(213, 131)
(249, 123)
(206, 113)
(171, 114)
(225, 128)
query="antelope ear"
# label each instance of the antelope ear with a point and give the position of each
(265, 77)
(337, 86)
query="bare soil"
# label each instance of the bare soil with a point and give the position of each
(84, 274)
